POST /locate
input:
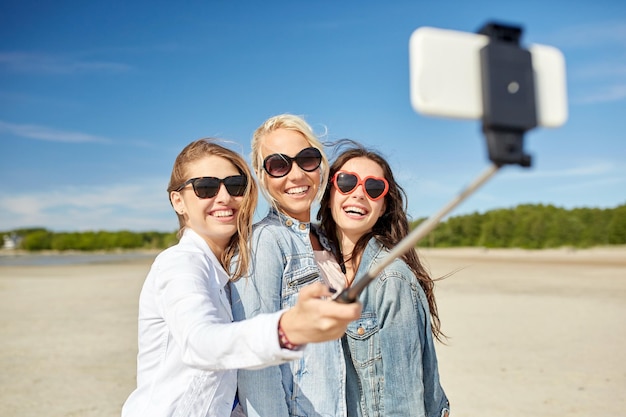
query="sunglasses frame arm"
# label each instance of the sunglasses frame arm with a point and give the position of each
(183, 185)
(351, 294)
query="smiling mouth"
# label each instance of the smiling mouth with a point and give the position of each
(355, 210)
(297, 190)
(223, 213)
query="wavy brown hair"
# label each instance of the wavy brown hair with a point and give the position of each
(202, 148)
(389, 229)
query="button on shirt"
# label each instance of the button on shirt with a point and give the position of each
(189, 349)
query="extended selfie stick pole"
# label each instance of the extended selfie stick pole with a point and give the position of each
(508, 112)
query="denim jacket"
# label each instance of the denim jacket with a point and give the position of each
(284, 262)
(392, 364)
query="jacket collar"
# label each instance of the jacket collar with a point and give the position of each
(301, 226)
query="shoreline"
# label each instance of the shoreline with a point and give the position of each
(613, 255)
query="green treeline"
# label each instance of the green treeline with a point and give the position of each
(525, 226)
(532, 227)
(38, 239)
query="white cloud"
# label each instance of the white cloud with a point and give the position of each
(599, 70)
(139, 206)
(591, 35)
(607, 94)
(591, 184)
(55, 64)
(600, 79)
(592, 169)
(50, 134)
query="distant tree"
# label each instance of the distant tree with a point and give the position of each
(530, 227)
(497, 229)
(617, 226)
(595, 225)
(129, 240)
(35, 240)
(526, 226)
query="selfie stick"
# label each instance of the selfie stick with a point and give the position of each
(508, 90)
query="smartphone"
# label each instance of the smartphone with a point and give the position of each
(445, 76)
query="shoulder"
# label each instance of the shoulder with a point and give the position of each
(183, 249)
(267, 224)
(265, 232)
(186, 256)
(396, 269)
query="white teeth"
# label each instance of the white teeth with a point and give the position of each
(356, 210)
(298, 190)
(223, 213)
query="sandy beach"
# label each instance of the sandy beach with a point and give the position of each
(531, 333)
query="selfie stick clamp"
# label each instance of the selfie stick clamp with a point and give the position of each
(508, 89)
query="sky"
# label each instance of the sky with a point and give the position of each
(97, 98)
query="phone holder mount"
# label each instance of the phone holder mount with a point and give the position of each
(508, 91)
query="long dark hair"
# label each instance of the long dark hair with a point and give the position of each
(389, 229)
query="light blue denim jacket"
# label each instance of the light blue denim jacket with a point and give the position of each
(392, 364)
(284, 262)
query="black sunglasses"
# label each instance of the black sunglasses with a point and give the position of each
(278, 164)
(208, 187)
(375, 187)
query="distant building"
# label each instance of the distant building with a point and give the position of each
(11, 241)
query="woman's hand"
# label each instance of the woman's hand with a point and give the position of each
(315, 318)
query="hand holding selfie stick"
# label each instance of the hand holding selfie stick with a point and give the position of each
(508, 97)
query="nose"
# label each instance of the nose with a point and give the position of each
(222, 194)
(359, 191)
(296, 171)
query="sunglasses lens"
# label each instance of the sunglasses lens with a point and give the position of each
(277, 166)
(236, 185)
(346, 182)
(374, 188)
(206, 187)
(309, 159)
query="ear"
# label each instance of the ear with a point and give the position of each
(177, 202)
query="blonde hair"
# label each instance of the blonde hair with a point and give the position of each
(239, 242)
(293, 123)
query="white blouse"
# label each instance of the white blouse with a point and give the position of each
(189, 348)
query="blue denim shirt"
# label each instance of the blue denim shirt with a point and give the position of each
(392, 364)
(284, 262)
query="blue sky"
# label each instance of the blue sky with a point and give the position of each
(97, 98)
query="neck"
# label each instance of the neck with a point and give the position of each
(350, 259)
(347, 246)
(218, 249)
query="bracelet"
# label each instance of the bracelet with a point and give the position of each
(284, 342)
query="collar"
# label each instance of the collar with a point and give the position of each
(221, 276)
(300, 227)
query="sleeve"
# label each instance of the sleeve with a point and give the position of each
(262, 392)
(401, 330)
(196, 312)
